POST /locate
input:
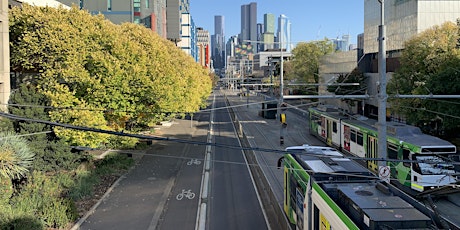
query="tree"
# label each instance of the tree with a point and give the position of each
(107, 76)
(305, 60)
(429, 65)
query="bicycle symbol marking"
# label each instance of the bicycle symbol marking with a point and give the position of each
(193, 161)
(185, 193)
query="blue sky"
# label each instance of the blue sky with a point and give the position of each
(310, 19)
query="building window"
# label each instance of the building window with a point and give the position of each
(137, 6)
(137, 19)
(147, 3)
(109, 5)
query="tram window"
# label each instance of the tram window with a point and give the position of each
(315, 118)
(353, 135)
(334, 127)
(316, 217)
(392, 151)
(360, 139)
(406, 153)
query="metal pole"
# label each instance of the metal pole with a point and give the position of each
(281, 67)
(382, 125)
(282, 126)
(247, 88)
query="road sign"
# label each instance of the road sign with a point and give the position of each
(384, 173)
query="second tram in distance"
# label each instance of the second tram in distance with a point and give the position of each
(427, 162)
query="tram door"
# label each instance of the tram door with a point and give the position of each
(329, 132)
(371, 152)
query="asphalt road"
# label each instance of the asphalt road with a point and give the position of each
(149, 196)
(233, 202)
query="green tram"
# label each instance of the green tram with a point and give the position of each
(324, 190)
(418, 161)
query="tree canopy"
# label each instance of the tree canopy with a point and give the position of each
(103, 75)
(430, 64)
(304, 65)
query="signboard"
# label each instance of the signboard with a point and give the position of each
(384, 173)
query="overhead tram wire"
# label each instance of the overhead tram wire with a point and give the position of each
(268, 166)
(184, 141)
(102, 110)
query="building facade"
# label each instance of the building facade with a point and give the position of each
(248, 33)
(203, 41)
(260, 34)
(342, 44)
(404, 19)
(218, 43)
(174, 11)
(284, 33)
(268, 37)
(150, 13)
(188, 36)
(230, 46)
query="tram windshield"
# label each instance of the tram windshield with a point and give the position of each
(434, 165)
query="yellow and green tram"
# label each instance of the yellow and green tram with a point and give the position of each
(324, 190)
(417, 161)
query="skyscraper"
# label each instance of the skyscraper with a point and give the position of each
(284, 32)
(260, 34)
(341, 44)
(248, 33)
(268, 37)
(218, 43)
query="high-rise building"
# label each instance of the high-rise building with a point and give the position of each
(341, 44)
(232, 43)
(268, 37)
(150, 13)
(203, 41)
(260, 35)
(188, 36)
(284, 33)
(248, 33)
(404, 19)
(174, 11)
(218, 43)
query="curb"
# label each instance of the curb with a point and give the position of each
(77, 225)
(91, 211)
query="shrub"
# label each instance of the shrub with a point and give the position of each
(41, 197)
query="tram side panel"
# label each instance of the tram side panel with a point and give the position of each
(325, 213)
(317, 209)
(326, 128)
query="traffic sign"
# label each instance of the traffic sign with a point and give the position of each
(384, 173)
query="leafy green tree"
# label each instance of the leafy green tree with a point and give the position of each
(429, 65)
(116, 77)
(305, 60)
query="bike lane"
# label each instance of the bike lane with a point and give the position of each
(139, 199)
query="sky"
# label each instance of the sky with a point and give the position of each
(310, 19)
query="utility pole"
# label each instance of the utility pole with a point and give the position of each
(382, 97)
(281, 115)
